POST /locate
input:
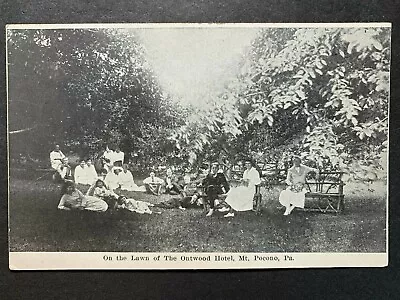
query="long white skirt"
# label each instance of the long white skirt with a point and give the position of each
(241, 198)
(288, 197)
(139, 207)
(133, 188)
(95, 204)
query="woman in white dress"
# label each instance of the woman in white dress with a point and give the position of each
(126, 181)
(108, 159)
(294, 195)
(241, 198)
(80, 173)
(112, 179)
(91, 174)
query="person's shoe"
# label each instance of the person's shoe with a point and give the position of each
(210, 213)
(286, 211)
(229, 215)
(182, 208)
(223, 209)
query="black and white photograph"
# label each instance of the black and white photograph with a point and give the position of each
(182, 146)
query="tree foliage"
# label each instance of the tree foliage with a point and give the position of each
(319, 92)
(86, 88)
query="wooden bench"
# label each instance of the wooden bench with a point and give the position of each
(325, 194)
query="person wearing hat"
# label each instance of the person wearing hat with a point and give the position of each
(294, 195)
(118, 157)
(112, 179)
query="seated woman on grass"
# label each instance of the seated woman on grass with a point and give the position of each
(241, 198)
(80, 173)
(100, 190)
(91, 174)
(113, 179)
(125, 180)
(294, 195)
(72, 198)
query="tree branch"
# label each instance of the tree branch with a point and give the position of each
(23, 130)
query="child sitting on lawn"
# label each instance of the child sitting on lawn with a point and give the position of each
(101, 191)
(133, 205)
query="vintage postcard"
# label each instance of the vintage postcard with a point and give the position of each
(198, 146)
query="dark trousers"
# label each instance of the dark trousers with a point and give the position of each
(211, 197)
(175, 189)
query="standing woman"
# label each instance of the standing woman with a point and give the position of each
(241, 197)
(72, 198)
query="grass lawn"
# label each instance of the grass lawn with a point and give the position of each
(37, 225)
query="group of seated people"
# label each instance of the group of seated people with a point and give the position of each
(210, 188)
(99, 199)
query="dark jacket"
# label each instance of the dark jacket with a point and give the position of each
(215, 184)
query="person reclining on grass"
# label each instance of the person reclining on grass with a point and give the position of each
(294, 195)
(181, 202)
(133, 205)
(153, 184)
(72, 198)
(191, 199)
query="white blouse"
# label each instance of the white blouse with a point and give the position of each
(253, 176)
